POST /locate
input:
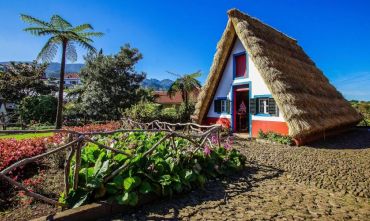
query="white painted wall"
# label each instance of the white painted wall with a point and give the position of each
(257, 84)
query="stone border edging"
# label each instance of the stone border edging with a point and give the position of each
(93, 211)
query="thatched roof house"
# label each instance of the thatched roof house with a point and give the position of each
(283, 88)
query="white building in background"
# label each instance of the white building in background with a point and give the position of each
(71, 79)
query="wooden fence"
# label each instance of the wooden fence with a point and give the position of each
(11, 120)
(198, 136)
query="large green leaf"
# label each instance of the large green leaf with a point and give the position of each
(128, 183)
(118, 181)
(131, 182)
(165, 180)
(130, 198)
(120, 158)
(104, 168)
(145, 187)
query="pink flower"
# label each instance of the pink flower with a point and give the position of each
(207, 151)
(214, 139)
(230, 140)
(227, 146)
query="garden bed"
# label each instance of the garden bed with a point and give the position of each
(125, 166)
(47, 172)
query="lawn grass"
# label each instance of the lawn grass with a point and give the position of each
(25, 136)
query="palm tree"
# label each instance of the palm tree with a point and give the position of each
(185, 84)
(63, 34)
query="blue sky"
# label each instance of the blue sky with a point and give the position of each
(181, 36)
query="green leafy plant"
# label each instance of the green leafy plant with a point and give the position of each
(165, 172)
(274, 137)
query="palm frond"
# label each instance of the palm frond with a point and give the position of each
(71, 52)
(175, 87)
(59, 22)
(92, 34)
(49, 50)
(82, 27)
(32, 20)
(49, 32)
(174, 74)
(36, 30)
(86, 45)
(196, 74)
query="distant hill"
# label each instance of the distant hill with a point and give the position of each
(158, 85)
(53, 69)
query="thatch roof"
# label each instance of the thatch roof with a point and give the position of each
(309, 103)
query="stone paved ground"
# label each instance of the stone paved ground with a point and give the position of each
(281, 183)
(340, 164)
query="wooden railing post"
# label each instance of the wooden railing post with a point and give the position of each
(67, 165)
(78, 164)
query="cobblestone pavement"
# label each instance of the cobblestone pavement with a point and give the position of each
(280, 183)
(260, 193)
(339, 164)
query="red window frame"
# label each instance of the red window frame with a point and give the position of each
(240, 65)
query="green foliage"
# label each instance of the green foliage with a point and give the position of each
(170, 114)
(146, 95)
(63, 34)
(110, 84)
(274, 137)
(364, 108)
(19, 80)
(165, 172)
(144, 112)
(149, 111)
(41, 109)
(186, 85)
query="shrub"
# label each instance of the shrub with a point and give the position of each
(274, 137)
(147, 112)
(41, 109)
(186, 112)
(165, 172)
(144, 112)
(169, 114)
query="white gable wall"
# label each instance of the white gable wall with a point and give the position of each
(254, 78)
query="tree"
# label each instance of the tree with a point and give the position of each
(185, 84)
(38, 108)
(65, 35)
(19, 80)
(110, 84)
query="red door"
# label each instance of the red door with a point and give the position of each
(241, 110)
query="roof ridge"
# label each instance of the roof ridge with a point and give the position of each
(234, 12)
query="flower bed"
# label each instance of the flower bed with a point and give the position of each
(12, 150)
(166, 171)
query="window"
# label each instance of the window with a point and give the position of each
(263, 106)
(240, 65)
(222, 106)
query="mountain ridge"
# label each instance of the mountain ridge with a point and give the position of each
(53, 70)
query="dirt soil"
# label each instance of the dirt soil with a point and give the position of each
(52, 183)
